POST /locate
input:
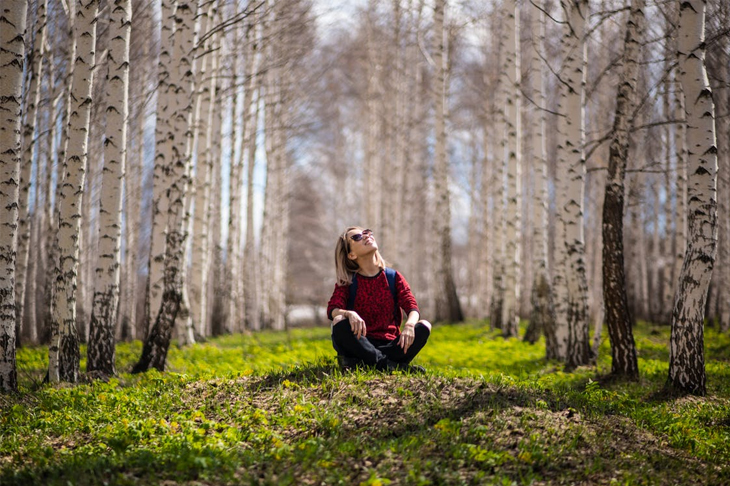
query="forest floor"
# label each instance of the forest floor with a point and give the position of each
(273, 408)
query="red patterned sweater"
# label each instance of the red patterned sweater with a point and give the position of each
(374, 303)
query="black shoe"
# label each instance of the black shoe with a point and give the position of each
(392, 366)
(346, 363)
(416, 369)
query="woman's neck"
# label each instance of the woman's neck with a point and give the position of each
(368, 266)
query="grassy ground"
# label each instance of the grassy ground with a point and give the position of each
(273, 409)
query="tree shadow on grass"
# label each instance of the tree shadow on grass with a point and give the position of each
(300, 374)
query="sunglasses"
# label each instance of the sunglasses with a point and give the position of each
(360, 236)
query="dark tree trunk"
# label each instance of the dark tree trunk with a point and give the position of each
(102, 349)
(542, 318)
(69, 358)
(154, 352)
(495, 309)
(618, 314)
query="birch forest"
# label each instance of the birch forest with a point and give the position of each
(172, 170)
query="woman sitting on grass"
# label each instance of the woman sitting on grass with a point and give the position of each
(365, 308)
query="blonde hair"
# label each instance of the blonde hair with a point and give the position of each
(345, 267)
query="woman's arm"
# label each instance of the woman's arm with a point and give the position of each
(413, 317)
(408, 333)
(406, 300)
(336, 312)
(338, 301)
(356, 323)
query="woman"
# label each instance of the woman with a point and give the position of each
(365, 308)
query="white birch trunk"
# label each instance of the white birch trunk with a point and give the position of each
(497, 189)
(37, 308)
(281, 238)
(251, 105)
(47, 245)
(372, 190)
(29, 147)
(154, 353)
(214, 209)
(681, 216)
(560, 269)
(411, 181)
(640, 237)
(414, 179)
(655, 304)
(396, 246)
(542, 318)
(276, 190)
(234, 190)
(670, 184)
(474, 242)
(12, 54)
(64, 352)
(485, 230)
(573, 319)
(207, 75)
(164, 137)
(686, 350)
(724, 164)
(513, 125)
(132, 190)
(448, 307)
(131, 327)
(101, 351)
(265, 288)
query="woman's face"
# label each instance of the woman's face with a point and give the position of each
(361, 242)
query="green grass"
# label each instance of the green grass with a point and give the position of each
(272, 408)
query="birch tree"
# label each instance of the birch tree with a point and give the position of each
(618, 316)
(686, 350)
(276, 203)
(448, 307)
(101, 351)
(513, 125)
(207, 75)
(163, 159)
(573, 316)
(63, 351)
(215, 207)
(398, 204)
(251, 104)
(233, 256)
(669, 181)
(542, 316)
(272, 210)
(723, 138)
(154, 352)
(131, 326)
(33, 95)
(498, 193)
(12, 54)
(373, 162)
(680, 239)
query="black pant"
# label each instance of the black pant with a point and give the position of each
(376, 351)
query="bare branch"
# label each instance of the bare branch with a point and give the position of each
(424, 51)
(546, 13)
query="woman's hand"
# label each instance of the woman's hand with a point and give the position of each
(407, 336)
(356, 324)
